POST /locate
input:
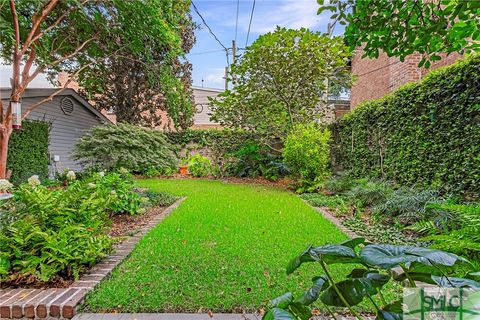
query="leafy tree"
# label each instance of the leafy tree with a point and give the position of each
(135, 88)
(75, 36)
(400, 27)
(280, 81)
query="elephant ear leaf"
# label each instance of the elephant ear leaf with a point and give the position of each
(300, 311)
(296, 262)
(310, 296)
(353, 243)
(450, 282)
(278, 314)
(335, 253)
(392, 311)
(281, 302)
(353, 290)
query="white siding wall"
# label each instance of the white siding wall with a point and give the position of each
(202, 116)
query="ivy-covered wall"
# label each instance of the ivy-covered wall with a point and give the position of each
(28, 151)
(425, 134)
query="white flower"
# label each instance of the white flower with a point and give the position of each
(141, 211)
(92, 185)
(71, 175)
(34, 181)
(101, 174)
(5, 185)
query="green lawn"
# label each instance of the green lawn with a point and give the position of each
(224, 249)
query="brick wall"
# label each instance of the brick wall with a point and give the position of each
(377, 77)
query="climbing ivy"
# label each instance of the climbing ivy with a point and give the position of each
(425, 134)
(28, 152)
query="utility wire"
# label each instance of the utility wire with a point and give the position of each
(208, 27)
(236, 23)
(205, 52)
(250, 23)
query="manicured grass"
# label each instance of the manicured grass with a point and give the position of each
(224, 249)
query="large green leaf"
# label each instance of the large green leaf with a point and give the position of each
(354, 290)
(353, 243)
(333, 253)
(278, 314)
(389, 256)
(450, 282)
(392, 311)
(300, 310)
(281, 302)
(311, 295)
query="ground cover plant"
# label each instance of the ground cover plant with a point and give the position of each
(224, 249)
(48, 236)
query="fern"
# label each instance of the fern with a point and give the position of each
(424, 227)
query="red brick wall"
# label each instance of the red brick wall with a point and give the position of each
(377, 77)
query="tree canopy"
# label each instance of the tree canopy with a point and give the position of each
(400, 27)
(280, 81)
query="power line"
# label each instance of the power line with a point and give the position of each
(206, 52)
(236, 23)
(379, 68)
(208, 27)
(250, 23)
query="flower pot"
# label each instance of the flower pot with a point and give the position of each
(183, 170)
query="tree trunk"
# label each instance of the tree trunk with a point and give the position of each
(4, 138)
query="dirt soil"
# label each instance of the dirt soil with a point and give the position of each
(123, 226)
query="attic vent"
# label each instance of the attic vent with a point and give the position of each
(66, 104)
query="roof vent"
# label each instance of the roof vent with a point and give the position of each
(66, 104)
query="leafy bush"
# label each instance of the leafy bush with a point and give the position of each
(132, 147)
(125, 199)
(367, 193)
(409, 205)
(53, 232)
(28, 151)
(339, 184)
(161, 199)
(423, 135)
(306, 153)
(371, 271)
(199, 166)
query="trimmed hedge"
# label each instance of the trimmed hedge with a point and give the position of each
(425, 134)
(28, 151)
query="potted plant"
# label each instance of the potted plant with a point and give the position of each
(183, 168)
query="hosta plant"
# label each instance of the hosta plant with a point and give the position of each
(371, 270)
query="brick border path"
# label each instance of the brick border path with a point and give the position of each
(63, 303)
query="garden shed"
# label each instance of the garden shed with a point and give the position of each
(70, 117)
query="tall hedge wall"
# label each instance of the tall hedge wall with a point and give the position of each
(28, 151)
(425, 134)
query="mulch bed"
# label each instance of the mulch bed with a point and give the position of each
(123, 226)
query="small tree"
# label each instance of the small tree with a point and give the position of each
(74, 36)
(400, 27)
(281, 80)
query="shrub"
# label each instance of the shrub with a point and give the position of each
(53, 232)
(367, 193)
(28, 151)
(125, 199)
(161, 199)
(199, 166)
(306, 153)
(132, 147)
(423, 135)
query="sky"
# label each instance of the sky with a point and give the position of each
(208, 57)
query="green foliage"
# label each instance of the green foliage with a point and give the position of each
(427, 27)
(307, 154)
(335, 203)
(423, 135)
(368, 281)
(125, 199)
(54, 232)
(366, 193)
(199, 166)
(132, 147)
(161, 199)
(462, 236)
(279, 82)
(28, 152)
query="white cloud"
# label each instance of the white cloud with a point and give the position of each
(215, 78)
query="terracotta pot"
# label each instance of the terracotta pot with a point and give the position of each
(183, 170)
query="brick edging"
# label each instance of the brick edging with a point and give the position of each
(329, 216)
(63, 302)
